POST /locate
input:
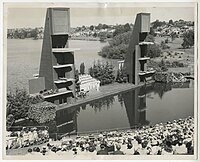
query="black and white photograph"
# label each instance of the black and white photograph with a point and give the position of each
(100, 81)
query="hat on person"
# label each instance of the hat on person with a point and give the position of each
(34, 149)
(30, 150)
(54, 149)
(37, 149)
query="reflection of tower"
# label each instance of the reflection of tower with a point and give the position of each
(135, 103)
(57, 60)
(135, 60)
(66, 121)
(142, 106)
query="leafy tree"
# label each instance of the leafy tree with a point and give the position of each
(150, 38)
(78, 29)
(163, 65)
(127, 27)
(117, 47)
(92, 27)
(164, 45)
(9, 120)
(152, 32)
(157, 23)
(109, 35)
(77, 81)
(104, 26)
(100, 26)
(42, 112)
(118, 30)
(82, 68)
(102, 36)
(19, 101)
(34, 33)
(104, 72)
(153, 51)
(188, 39)
(171, 22)
(173, 36)
(83, 27)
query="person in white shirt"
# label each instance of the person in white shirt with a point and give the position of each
(25, 138)
(31, 137)
(35, 136)
(180, 148)
(143, 150)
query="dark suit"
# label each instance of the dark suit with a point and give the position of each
(118, 152)
(102, 152)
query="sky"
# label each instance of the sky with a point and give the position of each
(35, 17)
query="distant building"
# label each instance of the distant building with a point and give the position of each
(87, 83)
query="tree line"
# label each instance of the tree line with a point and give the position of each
(24, 33)
(117, 48)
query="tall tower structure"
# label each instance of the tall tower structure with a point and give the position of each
(135, 60)
(57, 71)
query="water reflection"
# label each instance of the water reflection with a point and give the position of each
(103, 102)
(161, 88)
(132, 103)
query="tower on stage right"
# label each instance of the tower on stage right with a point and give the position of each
(135, 64)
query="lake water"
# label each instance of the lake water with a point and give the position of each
(144, 106)
(149, 105)
(23, 58)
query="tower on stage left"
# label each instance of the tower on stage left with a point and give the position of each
(57, 60)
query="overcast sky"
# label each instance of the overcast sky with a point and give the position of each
(35, 17)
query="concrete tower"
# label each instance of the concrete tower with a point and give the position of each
(57, 59)
(135, 60)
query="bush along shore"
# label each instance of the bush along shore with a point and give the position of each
(167, 77)
(21, 105)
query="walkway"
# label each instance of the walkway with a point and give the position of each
(104, 91)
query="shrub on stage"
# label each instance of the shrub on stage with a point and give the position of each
(104, 72)
(42, 112)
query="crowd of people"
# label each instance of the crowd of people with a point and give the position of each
(26, 137)
(171, 138)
